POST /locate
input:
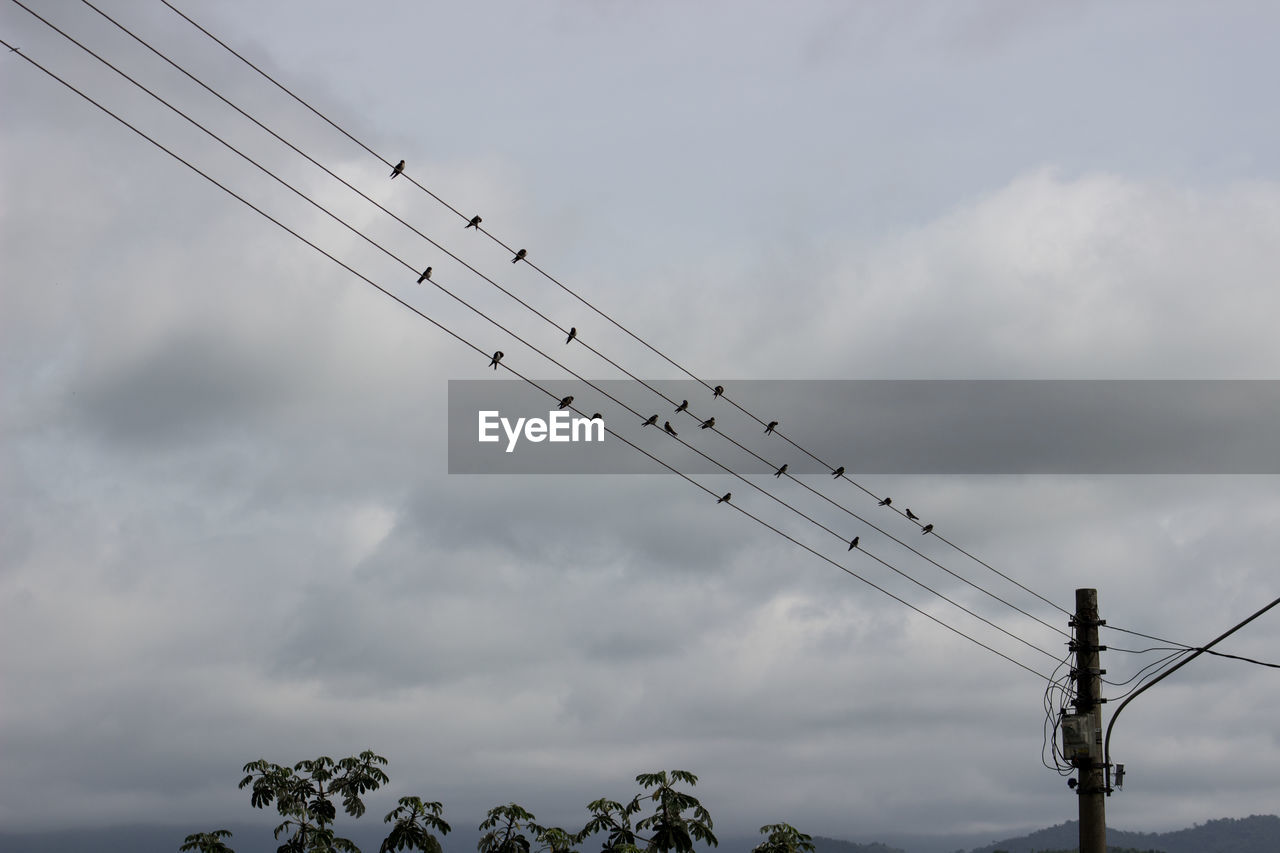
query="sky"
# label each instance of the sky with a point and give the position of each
(229, 528)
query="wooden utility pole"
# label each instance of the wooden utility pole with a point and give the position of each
(1091, 788)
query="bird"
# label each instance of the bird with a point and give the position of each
(497, 357)
(597, 416)
(573, 333)
(769, 429)
(398, 169)
(838, 473)
(652, 421)
(726, 497)
(928, 528)
(684, 404)
(911, 516)
(708, 423)
(564, 404)
(886, 502)
(717, 391)
(519, 256)
(426, 275)
(666, 425)
(474, 223)
(853, 543)
(781, 470)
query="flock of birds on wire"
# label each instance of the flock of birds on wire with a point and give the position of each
(652, 420)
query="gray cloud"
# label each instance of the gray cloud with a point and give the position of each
(229, 531)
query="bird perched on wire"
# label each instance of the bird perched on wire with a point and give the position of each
(717, 391)
(928, 528)
(573, 333)
(886, 502)
(519, 256)
(497, 357)
(684, 404)
(398, 169)
(781, 470)
(708, 423)
(911, 515)
(769, 429)
(564, 404)
(426, 275)
(853, 543)
(652, 421)
(838, 473)
(666, 425)
(726, 497)
(474, 223)
(597, 416)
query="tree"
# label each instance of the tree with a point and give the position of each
(671, 829)
(783, 838)
(207, 842)
(506, 827)
(615, 819)
(414, 821)
(305, 795)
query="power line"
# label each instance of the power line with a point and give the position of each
(513, 334)
(519, 375)
(609, 318)
(526, 305)
(1188, 648)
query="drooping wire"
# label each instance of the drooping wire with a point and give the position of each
(759, 420)
(503, 328)
(1059, 693)
(505, 366)
(1188, 648)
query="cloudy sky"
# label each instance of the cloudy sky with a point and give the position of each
(228, 526)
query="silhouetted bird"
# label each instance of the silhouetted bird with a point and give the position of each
(426, 275)
(886, 502)
(653, 421)
(666, 425)
(566, 401)
(398, 169)
(781, 470)
(853, 543)
(726, 497)
(717, 391)
(573, 333)
(684, 404)
(769, 429)
(928, 528)
(519, 256)
(474, 223)
(596, 416)
(708, 423)
(838, 473)
(497, 357)
(911, 515)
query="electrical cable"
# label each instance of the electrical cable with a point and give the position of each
(520, 301)
(590, 305)
(482, 352)
(514, 335)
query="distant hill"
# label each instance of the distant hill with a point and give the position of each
(835, 845)
(1254, 834)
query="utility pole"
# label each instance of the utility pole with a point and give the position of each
(1091, 788)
